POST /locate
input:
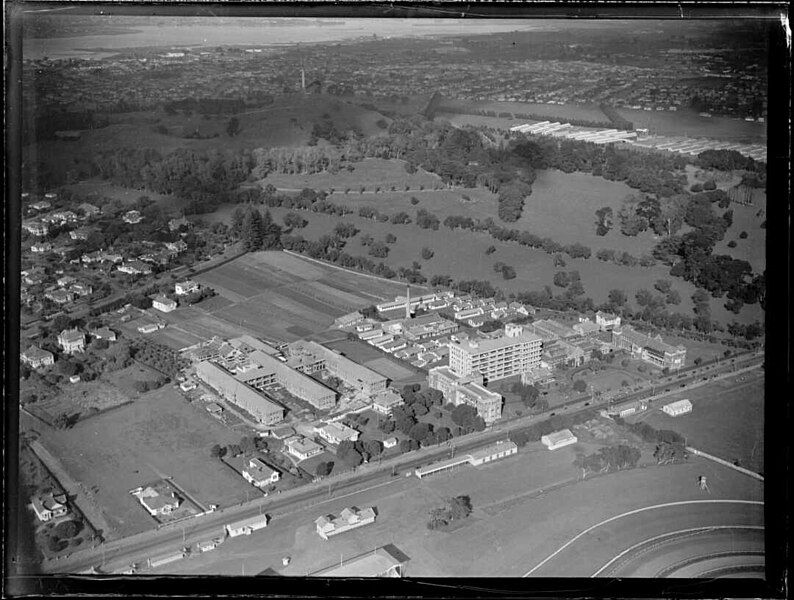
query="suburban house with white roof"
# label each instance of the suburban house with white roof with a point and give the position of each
(164, 304)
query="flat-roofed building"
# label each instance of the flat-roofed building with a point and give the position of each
(650, 349)
(549, 329)
(511, 354)
(237, 392)
(387, 561)
(466, 390)
(310, 356)
(348, 320)
(271, 370)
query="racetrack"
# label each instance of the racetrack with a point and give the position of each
(690, 538)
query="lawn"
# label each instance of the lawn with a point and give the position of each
(727, 420)
(552, 112)
(461, 254)
(158, 435)
(753, 247)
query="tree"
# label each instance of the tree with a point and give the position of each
(420, 431)
(233, 127)
(217, 451)
(617, 297)
(460, 507)
(391, 238)
(293, 220)
(579, 385)
(427, 253)
(561, 279)
(490, 249)
(324, 469)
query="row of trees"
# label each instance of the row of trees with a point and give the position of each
(457, 508)
(608, 458)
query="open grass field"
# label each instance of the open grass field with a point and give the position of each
(461, 254)
(371, 173)
(727, 420)
(562, 206)
(99, 192)
(689, 123)
(753, 247)
(159, 434)
(459, 120)
(536, 487)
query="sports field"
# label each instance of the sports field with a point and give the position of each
(691, 124)
(159, 434)
(727, 419)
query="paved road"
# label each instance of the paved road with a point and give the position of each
(210, 525)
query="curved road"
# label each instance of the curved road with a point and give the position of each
(666, 540)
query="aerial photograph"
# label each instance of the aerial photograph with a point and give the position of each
(347, 297)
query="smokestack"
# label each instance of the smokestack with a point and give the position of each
(407, 301)
(303, 80)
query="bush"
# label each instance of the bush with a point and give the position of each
(743, 235)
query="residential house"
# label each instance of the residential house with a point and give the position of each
(103, 333)
(81, 289)
(157, 502)
(334, 433)
(390, 442)
(37, 228)
(41, 205)
(35, 357)
(132, 217)
(260, 474)
(176, 224)
(65, 280)
(72, 340)
(183, 288)
(302, 448)
(81, 233)
(60, 296)
(386, 400)
(177, 246)
(350, 518)
(41, 247)
(89, 210)
(164, 304)
(49, 506)
(135, 267)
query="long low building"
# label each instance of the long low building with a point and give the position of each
(237, 392)
(679, 407)
(246, 526)
(310, 357)
(271, 370)
(500, 449)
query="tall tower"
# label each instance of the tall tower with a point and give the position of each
(303, 79)
(407, 301)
